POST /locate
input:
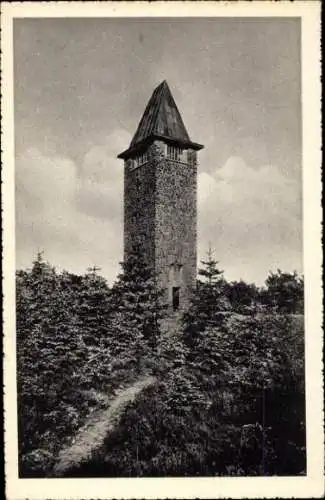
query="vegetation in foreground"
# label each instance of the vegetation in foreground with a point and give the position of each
(228, 397)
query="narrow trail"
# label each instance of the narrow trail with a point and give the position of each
(92, 435)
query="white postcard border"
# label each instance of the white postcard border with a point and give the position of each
(313, 484)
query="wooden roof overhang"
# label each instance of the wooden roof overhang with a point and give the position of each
(145, 143)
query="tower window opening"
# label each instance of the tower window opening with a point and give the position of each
(174, 153)
(143, 158)
(175, 298)
(138, 161)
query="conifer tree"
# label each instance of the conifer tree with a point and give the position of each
(95, 330)
(93, 306)
(209, 302)
(138, 305)
(210, 272)
(40, 352)
(54, 362)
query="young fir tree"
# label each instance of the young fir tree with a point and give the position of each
(89, 337)
(209, 302)
(59, 354)
(93, 306)
(138, 306)
(43, 333)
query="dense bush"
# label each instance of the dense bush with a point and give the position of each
(284, 292)
(242, 296)
(76, 344)
(229, 397)
(234, 407)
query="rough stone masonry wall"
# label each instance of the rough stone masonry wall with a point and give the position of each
(176, 220)
(160, 215)
(139, 211)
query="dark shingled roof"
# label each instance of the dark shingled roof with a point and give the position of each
(161, 120)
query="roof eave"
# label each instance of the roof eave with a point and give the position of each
(172, 140)
(134, 149)
(187, 143)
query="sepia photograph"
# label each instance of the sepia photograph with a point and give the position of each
(159, 264)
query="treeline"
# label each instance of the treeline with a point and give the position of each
(284, 292)
(229, 397)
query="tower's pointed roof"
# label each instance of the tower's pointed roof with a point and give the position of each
(161, 120)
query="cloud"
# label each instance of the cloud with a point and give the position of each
(72, 212)
(100, 189)
(252, 218)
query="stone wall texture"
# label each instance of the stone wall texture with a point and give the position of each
(139, 211)
(160, 215)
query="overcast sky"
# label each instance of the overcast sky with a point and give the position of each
(81, 86)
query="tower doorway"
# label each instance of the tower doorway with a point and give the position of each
(175, 285)
(175, 298)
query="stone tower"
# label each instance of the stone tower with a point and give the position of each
(160, 186)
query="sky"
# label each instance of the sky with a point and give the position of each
(80, 88)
